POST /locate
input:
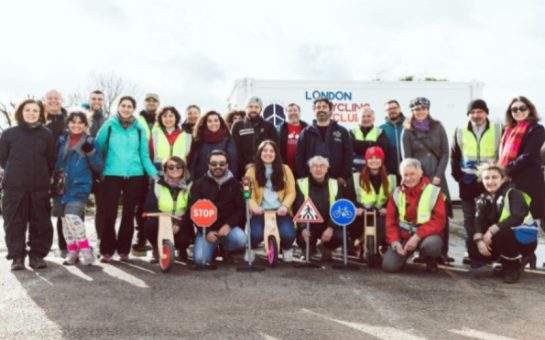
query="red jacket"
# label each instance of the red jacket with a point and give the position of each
(412, 195)
(171, 139)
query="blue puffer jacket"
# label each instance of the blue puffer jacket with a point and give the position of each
(78, 168)
(127, 153)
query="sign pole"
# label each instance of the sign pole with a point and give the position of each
(246, 186)
(203, 214)
(307, 257)
(343, 213)
(308, 214)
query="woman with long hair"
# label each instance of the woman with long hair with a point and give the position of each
(370, 190)
(273, 188)
(124, 144)
(210, 133)
(520, 152)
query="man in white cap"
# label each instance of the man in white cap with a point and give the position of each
(250, 132)
(147, 116)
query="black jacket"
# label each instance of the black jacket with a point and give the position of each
(525, 170)
(283, 138)
(337, 148)
(57, 124)
(97, 119)
(247, 136)
(27, 156)
(360, 147)
(489, 208)
(227, 197)
(319, 194)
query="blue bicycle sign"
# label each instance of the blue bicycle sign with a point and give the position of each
(343, 212)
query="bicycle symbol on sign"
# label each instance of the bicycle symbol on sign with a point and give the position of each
(342, 212)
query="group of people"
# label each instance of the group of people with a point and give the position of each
(155, 162)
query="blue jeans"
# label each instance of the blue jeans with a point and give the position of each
(236, 239)
(285, 228)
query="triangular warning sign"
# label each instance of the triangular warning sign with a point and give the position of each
(308, 213)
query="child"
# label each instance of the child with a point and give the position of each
(77, 158)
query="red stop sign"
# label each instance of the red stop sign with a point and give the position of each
(204, 213)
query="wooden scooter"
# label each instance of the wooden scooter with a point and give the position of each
(165, 240)
(271, 237)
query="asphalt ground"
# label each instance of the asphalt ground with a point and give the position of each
(136, 300)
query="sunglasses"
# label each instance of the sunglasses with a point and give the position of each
(174, 167)
(522, 108)
(216, 164)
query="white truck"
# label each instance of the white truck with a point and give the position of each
(449, 100)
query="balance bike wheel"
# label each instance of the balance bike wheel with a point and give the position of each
(167, 260)
(272, 256)
(370, 255)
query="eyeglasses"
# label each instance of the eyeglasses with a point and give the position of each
(522, 108)
(174, 167)
(216, 164)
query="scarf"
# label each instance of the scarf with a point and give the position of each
(422, 126)
(214, 137)
(510, 142)
(125, 122)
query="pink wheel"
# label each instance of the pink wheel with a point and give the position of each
(272, 256)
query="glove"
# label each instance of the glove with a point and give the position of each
(87, 147)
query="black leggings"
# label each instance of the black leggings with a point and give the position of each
(132, 189)
(504, 243)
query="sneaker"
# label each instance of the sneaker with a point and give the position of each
(182, 255)
(140, 250)
(64, 253)
(105, 258)
(88, 256)
(249, 256)
(18, 263)
(124, 257)
(287, 255)
(71, 258)
(36, 262)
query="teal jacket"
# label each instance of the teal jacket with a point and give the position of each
(126, 150)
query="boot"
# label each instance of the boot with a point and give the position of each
(529, 259)
(18, 263)
(511, 271)
(36, 262)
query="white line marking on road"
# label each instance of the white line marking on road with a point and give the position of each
(376, 331)
(472, 333)
(43, 279)
(267, 336)
(138, 267)
(124, 276)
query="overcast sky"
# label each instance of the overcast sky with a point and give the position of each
(193, 51)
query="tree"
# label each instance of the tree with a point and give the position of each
(112, 85)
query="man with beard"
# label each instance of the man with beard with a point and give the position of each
(250, 132)
(289, 133)
(326, 138)
(147, 120)
(96, 107)
(224, 190)
(393, 127)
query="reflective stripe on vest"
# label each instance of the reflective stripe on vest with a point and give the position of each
(162, 148)
(476, 152)
(370, 199)
(371, 136)
(332, 186)
(506, 211)
(426, 202)
(166, 203)
(145, 125)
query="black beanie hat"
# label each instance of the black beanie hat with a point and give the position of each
(477, 104)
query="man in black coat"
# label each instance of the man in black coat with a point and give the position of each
(250, 132)
(326, 138)
(56, 122)
(225, 191)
